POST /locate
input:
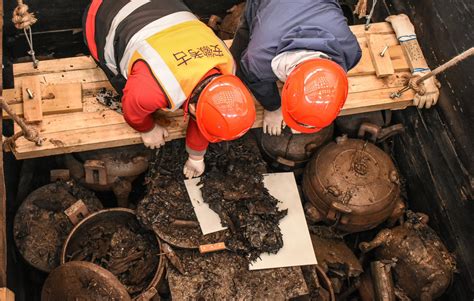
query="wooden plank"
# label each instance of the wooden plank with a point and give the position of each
(60, 139)
(56, 65)
(31, 95)
(56, 99)
(75, 76)
(6, 294)
(375, 101)
(380, 55)
(366, 67)
(380, 28)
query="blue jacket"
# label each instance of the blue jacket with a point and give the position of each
(276, 26)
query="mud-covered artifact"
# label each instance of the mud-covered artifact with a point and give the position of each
(81, 280)
(233, 187)
(225, 276)
(227, 27)
(290, 150)
(353, 185)
(41, 226)
(335, 258)
(114, 240)
(166, 208)
(110, 169)
(319, 285)
(423, 267)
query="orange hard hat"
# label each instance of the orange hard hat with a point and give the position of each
(313, 95)
(225, 109)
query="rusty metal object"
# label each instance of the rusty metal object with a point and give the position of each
(29, 132)
(353, 184)
(41, 225)
(319, 285)
(383, 282)
(333, 254)
(377, 133)
(293, 150)
(117, 216)
(173, 258)
(76, 212)
(110, 169)
(423, 266)
(350, 124)
(336, 259)
(80, 280)
(227, 27)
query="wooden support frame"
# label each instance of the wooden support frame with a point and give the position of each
(85, 130)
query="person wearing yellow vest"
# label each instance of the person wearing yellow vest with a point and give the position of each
(158, 55)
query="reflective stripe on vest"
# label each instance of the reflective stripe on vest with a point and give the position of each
(179, 55)
(148, 31)
(109, 51)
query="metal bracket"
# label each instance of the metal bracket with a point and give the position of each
(95, 172)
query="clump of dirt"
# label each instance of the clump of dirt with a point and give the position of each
(41, 226)
(110, 99)
(225, 276)
(167, 209)
(234, 189)
(127, 250)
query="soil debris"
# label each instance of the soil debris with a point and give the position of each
(127, 250)
(225, 276)
(167, 209)
(110, 99)
(41, 226)
(234, 189)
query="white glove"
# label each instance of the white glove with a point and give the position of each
(155, 138)
(430, 92)
(404, 29)
(273, 122)
(193, 168)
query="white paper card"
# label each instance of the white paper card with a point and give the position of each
(297, 246)
(209, 221)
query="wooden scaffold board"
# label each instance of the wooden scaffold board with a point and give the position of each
(74, 121)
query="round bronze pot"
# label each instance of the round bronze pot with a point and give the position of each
(353, 184)
(289, 150)
(118, 216)
(41, 225)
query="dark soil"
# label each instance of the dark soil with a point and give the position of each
(233, 188)
(127, 250)
(167, 208)
(41, 227)
(225, 276)
(110, 99)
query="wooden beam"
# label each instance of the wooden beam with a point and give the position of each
(69, 133)
(6, 295)
(380, 54)
(56, 99)
(31, 96)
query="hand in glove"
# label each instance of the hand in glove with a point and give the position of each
(194, 167)
(155, 138)
(273, 122)
(429, 94)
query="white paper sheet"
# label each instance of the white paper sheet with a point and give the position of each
(297, 247)
(209, 221)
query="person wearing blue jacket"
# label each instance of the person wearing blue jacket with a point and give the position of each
(308, 45)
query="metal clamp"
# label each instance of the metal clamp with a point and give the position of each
(95, 172)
